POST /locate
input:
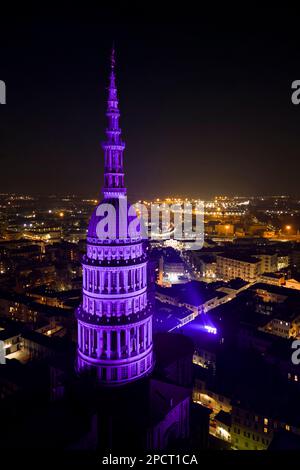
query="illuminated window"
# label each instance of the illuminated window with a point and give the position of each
(287, 427)
(266, 421)
(265, 430)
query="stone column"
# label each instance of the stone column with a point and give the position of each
(148, 333)
(108, 348)
(90, 288)
(127, 340)
(145, 335)
(128, 281)
(150, 330)
(119, 344)
(137, 339)
(79, 336)
(142, 276)
(90, 340)
(99, 343)
(101, 287)
(82, 339)
(109, 282)
(96, 342)
(97, 280)
(86, 339)
(118, 281)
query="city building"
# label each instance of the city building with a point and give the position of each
(269, 262)
(170, 266)
(208, 266)
(230, 266)
(283, 261)
(10, 338)
(197, 296)
(168, 317)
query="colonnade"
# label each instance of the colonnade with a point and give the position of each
(117, 307)
(114, 281)
(114, 343)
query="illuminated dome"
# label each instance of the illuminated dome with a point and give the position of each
(115, 317)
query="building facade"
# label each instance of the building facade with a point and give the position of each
(115, 318)
(269, 262)
(231, 267)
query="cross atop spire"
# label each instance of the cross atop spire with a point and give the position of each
(112, 57)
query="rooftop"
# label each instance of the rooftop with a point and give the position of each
(193, 293)
(239, 257)
(167, 317)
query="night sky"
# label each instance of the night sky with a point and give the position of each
(205, 100)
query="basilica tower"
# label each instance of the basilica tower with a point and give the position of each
(115, 317)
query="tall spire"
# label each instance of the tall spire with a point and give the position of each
(113, 146)
(112, 57)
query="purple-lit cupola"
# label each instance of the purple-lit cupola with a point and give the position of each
(115, 318)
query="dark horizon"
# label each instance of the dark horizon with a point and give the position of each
(205, 107)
